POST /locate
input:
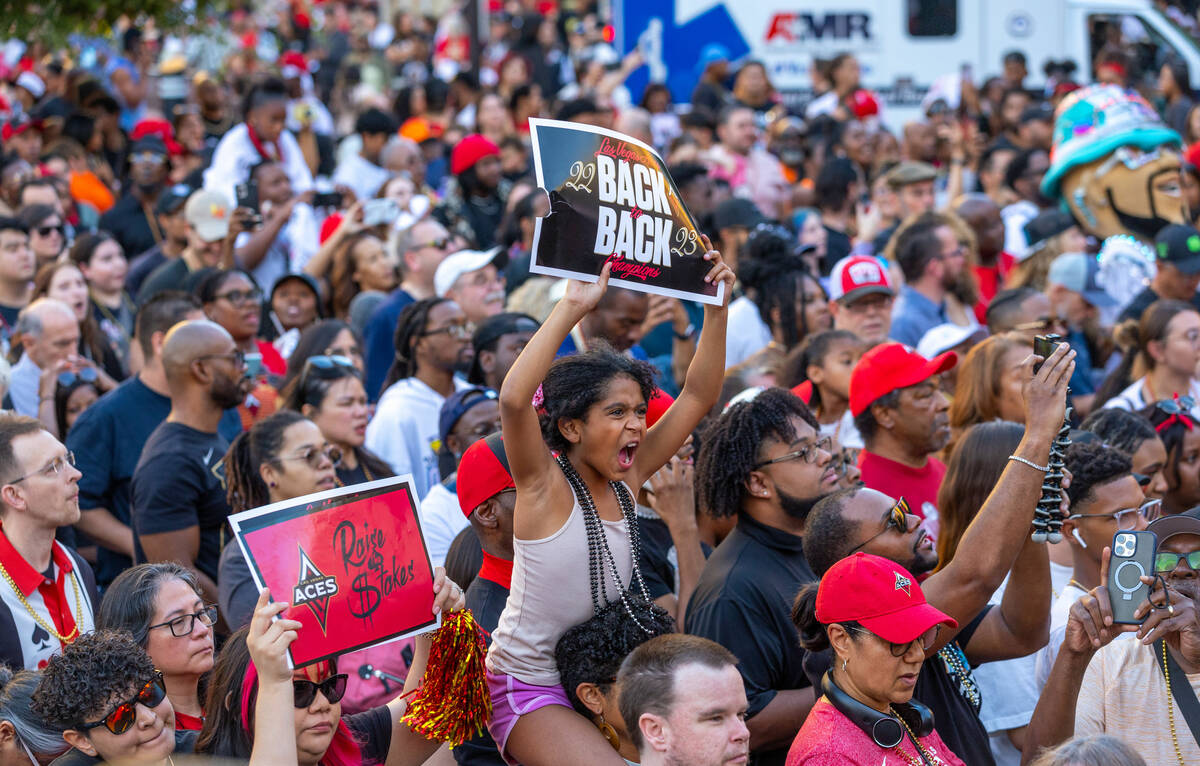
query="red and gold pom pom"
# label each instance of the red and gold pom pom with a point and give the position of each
(453, 704)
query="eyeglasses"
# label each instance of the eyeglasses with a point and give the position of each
(1127, 517)
(148, 157)
(457, 331)
(1165, 562)
(87, 375)
(55, 466)
(313, 456)
(184, 624)
(1041, 323)
(807, 453)
(926, 640)
(122, 716)
(897, 519)
(45, 231)
(334, 688)
(240, 297)
(237, 357)
(438, 244)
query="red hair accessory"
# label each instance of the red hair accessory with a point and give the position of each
(539, 400)
(1177, 417)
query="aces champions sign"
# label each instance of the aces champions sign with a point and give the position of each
(611, 200)
(352, 562)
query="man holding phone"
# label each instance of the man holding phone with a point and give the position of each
(1121, 688)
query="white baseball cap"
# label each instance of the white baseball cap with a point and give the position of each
(464, 262)
(944, 337)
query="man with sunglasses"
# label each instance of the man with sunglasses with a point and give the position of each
(1132, 689)
(110, 704)
(178, 504)
(131, 220)
(997, 543)
(47, 591)
(763, 463)
(420, 250)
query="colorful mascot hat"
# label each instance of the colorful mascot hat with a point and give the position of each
(1093, 122)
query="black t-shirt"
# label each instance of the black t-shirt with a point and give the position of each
(179, 483)
(170, 276)
(1142, 301)
(743, 601)
(486, 600)
(127, 222)
(142, 267)
(373, 731)
(837, 247)
(658, 560)
(940, 688)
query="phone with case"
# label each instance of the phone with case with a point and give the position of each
(1132, 558)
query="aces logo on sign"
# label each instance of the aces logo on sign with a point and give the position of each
(314, 589)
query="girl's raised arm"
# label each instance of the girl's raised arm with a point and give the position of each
(528, 457)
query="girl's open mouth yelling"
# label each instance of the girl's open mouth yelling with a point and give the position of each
(625, 455)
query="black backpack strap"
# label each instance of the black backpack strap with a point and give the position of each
(1181, 690)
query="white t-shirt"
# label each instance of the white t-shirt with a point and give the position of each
(441, 521)
(361, 175)
(1010, 688)
(747, 334)
(235, 155)
(1133, 398)
(404, 429)
(844, 432)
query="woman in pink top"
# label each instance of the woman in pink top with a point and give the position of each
(590, 409)
(871, 611)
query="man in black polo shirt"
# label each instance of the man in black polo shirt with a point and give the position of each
(132, 221)
(1177, 251)
(764, 461)
(487, 495)
(997, 541)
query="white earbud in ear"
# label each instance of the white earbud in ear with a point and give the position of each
(1078, 538)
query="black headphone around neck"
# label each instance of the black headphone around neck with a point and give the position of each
(885, 730)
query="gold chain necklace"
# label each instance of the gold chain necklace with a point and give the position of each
(78, 606)
(916, 743)
(1170, 710)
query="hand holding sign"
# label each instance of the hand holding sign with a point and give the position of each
(268, 639)
(720, 273)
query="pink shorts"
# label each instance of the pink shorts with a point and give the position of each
(513, 698)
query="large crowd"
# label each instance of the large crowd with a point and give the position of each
(291, 253)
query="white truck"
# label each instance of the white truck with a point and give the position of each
(902, 46)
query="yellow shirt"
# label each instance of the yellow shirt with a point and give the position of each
(1125, 695)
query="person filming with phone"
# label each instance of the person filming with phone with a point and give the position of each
(1143, 690)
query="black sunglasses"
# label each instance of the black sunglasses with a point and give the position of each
(897, 519)
(122, 716)
(45, 231)
(334, 688)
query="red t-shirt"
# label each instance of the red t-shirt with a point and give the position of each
(185, 722)
(990, 279)
(829, 738)
(919, 486)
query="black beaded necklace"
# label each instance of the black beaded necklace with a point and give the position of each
(599, 553)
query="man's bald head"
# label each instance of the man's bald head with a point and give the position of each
(49, 331)
(188, 341)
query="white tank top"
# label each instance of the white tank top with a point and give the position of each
(551, 593)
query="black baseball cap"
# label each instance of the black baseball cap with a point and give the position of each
(491, 330)
(737, 211)
(151, 144)
(1179, 245)
(1186, 523)
(458, 404)
(172, 199)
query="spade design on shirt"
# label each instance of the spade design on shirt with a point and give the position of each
(40, 638)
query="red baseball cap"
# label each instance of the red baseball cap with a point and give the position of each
(857, 275)
(660, 402)
(892, 366)
(470, 150)
(864, 104)
(878, 594)
(483, 473)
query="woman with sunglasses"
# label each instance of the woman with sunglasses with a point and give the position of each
(329, 391)
(103, 693)
(1162, 350)
(872, 614)
(329, 337)
(1175, 422)
(161, 606)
